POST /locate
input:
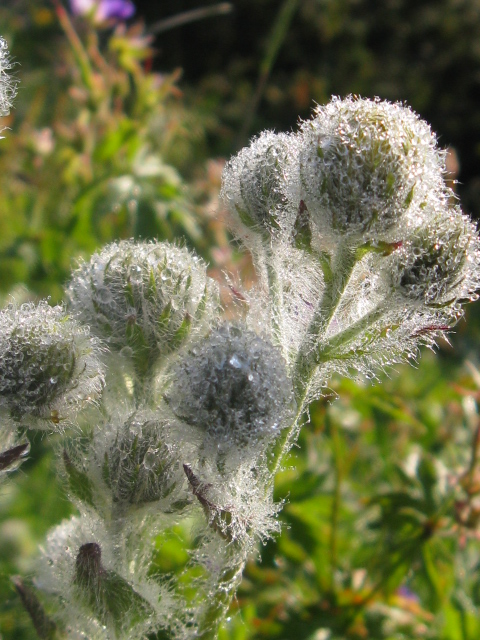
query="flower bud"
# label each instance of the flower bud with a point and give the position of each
(240, 510)
(49, 365)
(440, 264)
(364, 163)
(143, 297)
(255, 183)
(139, 467)
(233, 386)
(109, 596)
(79, 566)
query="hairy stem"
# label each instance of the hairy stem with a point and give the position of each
(286, 439)
(208, 629)
(327, 350)
(306, 362)
(345, 260)
(276, 297)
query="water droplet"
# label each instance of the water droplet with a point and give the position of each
(235, 362)
(136, 274)
(150, 459)
(104, 295)
(126, 352)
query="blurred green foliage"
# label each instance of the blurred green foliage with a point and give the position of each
(89, 156)
(381, 518)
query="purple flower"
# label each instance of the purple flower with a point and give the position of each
(102, 10)
(404, 592)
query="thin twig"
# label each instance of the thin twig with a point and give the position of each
(275, 41)
(191, 16)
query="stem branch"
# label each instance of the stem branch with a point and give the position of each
(345, 260)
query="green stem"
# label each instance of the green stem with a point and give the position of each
(336, 281)
(310, 356)
(144, 368)
(328, 349)
(285, 440)
(276, 39)
(334, 515)
(308, 359)
(208, 629)
(474, 457)
(345, 260)
(193, 15)
(76, 44)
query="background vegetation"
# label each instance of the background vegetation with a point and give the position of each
(120, 131)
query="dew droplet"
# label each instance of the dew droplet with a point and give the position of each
(150, 459)
(235, 362)
(103, 295)
(126, 352)
(136, 274)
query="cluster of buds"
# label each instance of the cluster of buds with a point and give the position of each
(191, 406)
(362, 253)
(361, 258)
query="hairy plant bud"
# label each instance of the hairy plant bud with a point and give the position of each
(255, 182)
(110, 597)
(8, 86)
(144, 297)
(234, 387)
(139, 467)
(364, 163)
(440, 264)
(79, 567)
(238, 511)
(49, 364)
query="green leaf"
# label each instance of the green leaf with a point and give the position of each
(427, 476)
(302, 234)
(182, 332)
(13, 455)
(45, 628)
(79, 483)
